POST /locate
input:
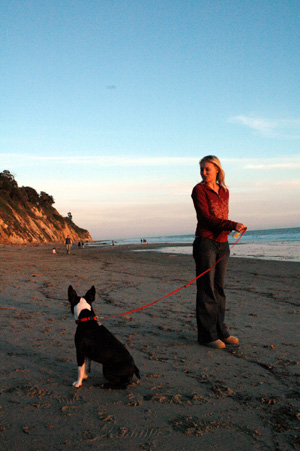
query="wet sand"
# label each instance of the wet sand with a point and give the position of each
(189, 397)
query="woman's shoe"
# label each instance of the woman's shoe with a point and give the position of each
(217, 344)
(231, 340)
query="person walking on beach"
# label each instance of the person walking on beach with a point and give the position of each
(211, 198)
(68, 244)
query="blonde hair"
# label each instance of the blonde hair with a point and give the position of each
(221, 174)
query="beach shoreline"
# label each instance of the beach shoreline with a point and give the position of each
(189, 396)
(270, 252)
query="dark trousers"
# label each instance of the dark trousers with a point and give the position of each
(211, 299)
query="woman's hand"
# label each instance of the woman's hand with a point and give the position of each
(240, 227)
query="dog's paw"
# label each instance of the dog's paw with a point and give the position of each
(77, 384)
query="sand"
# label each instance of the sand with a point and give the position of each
(189, 397)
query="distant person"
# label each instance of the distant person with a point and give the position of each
(68, 244)
(54, 250)
(211, 198)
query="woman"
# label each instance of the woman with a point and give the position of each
(210, 199)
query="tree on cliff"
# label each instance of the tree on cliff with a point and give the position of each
(7, 181)
(46, 199)
(30, 195)
(9, 186)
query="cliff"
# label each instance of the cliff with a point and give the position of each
(29, 217)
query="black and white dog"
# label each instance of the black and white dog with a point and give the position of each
(94, 342)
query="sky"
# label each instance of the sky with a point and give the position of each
(108, 106)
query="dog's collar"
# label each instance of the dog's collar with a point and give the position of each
(89, 318)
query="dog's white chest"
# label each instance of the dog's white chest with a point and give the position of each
(82, 305)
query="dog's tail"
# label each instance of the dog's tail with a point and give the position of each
(137, 372)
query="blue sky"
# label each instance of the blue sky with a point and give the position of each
(109, 105)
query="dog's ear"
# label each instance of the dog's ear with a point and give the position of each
(90, 295)
(72, 295)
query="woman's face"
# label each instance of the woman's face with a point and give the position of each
(209, 172)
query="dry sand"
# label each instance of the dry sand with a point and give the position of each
(190, 397)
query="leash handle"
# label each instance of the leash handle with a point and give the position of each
(237, 234)
(178, 289)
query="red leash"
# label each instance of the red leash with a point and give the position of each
(178, 289)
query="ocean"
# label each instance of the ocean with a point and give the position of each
(269, 244)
